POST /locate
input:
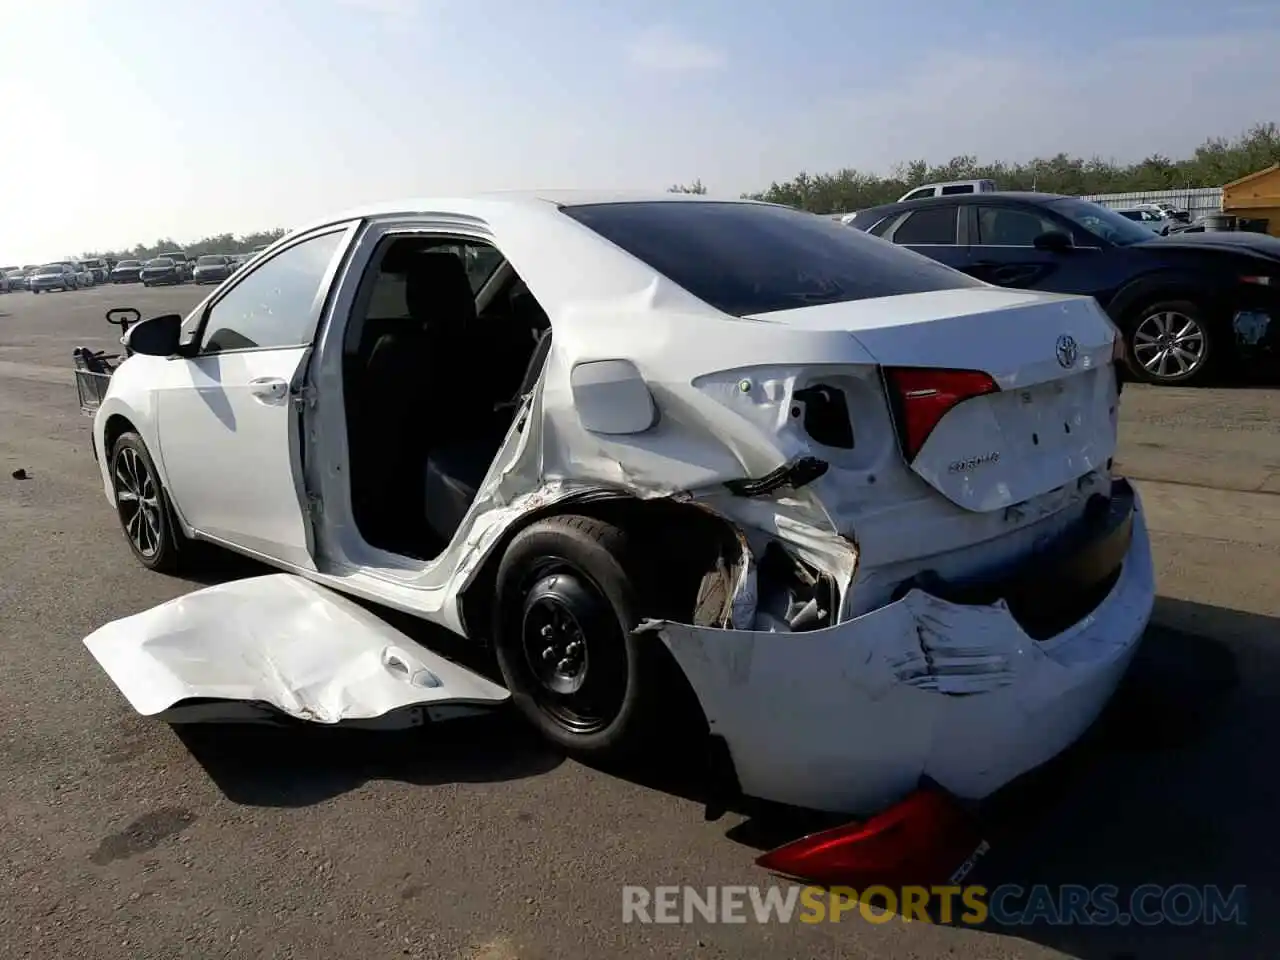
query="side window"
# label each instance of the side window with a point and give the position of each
(387, 298)
(919, 194)
(883, 227)
(273, 305)
(958, 188)
(936, 225)
(1006, 227)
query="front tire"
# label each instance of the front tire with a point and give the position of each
(570, 591)
(1170, 342)
(142, 506)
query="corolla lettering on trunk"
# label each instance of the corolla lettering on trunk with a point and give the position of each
(964, 466)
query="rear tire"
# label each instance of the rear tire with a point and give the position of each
(1171, 342)
(143, 507)
(570, 590)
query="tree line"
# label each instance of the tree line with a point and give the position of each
(1217, 161)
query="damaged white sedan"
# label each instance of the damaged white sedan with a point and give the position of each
(853, 507)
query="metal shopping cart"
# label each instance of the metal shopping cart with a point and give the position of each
(93, 368)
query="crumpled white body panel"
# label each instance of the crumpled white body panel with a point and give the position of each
(284, 641)
(848, 718)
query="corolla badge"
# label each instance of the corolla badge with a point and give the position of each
(1067, 350)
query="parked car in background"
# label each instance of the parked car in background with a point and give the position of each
(98, 267)
(948, 189)
(1186, 303)
(126, 271)
(161, 270)
(60, 275)
(1157, 223)
(12, 279)
(1171, 210)
(84, 274)
(180, 262)
(212, 268)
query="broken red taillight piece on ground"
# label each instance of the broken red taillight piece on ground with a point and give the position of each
(925, 840)
(922, 396)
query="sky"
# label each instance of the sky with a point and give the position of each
(129, 121)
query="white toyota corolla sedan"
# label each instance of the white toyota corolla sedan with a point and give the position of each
(679, 460)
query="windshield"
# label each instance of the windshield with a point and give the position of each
(749, 258)
(49, 268)
(160, 262)
(93, 263)
(1101, 221)
(210, 261)
(127, 264)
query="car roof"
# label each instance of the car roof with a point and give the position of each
(509, 202)
(984, 196)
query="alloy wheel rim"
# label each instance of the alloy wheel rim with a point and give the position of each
(138, 502)
(1169, 345)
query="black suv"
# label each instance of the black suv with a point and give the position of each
(1185, 302)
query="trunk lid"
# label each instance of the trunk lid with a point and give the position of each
(1052, 418)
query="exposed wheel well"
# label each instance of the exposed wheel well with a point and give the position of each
(685, 538)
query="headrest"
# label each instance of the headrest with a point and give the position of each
(438, 291)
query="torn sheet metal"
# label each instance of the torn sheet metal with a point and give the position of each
(283, 642)
(918, 687)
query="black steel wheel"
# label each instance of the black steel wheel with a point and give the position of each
(570, 591)
(573, 647)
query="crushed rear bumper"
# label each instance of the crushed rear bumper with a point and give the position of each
(952, 687)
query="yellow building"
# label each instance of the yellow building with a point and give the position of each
(1255, 197)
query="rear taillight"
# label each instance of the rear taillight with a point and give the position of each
(924, 840)
(922, 396)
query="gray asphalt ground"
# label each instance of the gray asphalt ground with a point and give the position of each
(119, 838)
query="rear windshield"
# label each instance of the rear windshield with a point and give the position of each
(745, 258)
(210, 261)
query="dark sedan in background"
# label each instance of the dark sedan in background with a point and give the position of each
(212, 268)
(1186, 303)
(161, 270)
(127, 271)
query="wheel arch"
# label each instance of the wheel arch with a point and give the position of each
(118, 417)
(699, 534)
(1143, 291)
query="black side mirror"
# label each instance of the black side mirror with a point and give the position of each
(1054, 241)
(155, 337)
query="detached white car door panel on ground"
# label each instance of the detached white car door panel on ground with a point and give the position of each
(283, 642)
(229, 439)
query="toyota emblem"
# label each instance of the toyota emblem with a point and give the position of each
(1067, 350)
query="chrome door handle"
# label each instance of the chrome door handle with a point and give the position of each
(269, 389)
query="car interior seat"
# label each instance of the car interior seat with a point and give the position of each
(455, 471)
